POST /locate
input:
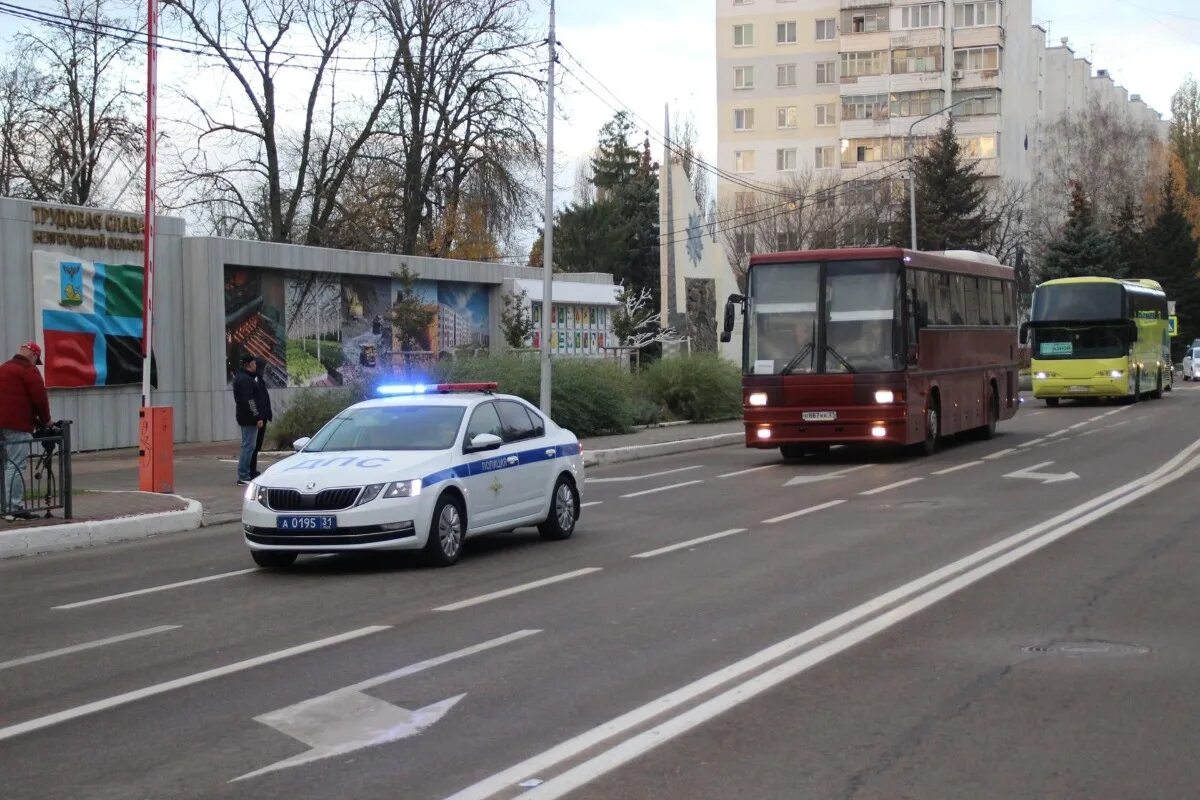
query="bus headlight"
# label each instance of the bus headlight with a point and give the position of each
(758, 399)
(885, 396)
(1116, 373)
(764, 433)
(1041, 376)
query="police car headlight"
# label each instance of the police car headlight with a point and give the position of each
(403, 489)
(369, 493)
(254, 493)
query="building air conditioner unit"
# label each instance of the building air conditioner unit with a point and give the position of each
(957, 75)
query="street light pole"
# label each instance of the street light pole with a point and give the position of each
(548, 235)
(912, 172)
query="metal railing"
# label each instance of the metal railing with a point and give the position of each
(37, 473)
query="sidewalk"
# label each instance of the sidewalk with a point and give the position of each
(107, 502)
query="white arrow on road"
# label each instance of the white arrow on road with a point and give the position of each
(802, 480)
(1031, 473)
(348, 719)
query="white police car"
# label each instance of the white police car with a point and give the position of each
(421, 468)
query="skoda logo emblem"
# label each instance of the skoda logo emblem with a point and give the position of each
(310, 485)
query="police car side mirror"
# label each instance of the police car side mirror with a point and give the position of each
(485, 441)
(301, 443)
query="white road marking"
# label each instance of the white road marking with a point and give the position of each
(1032, 442)
(803, 480)
(682, 545)
(980, 565)
(1117, 424)
(660, 489)
(345, 720)
(1089, 433)
(179, 683)
(949, 470)
(78, 648)
(748, 471)
(1001, 454)
(593, 503)
(524, 587)
(889, 487)
(802, 512)
(631, 478)
(152, 589)
(1031, 473)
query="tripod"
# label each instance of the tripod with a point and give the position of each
(44, 464)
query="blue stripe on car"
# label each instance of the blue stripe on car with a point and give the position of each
(498, 463)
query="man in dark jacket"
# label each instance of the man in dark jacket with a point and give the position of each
(263, 398)
(24, 407)
(249, 416)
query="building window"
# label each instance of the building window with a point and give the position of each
(743, 77)
(743, 161)
(785, 160)
(863, 151)
(983, 102)
(743, 243)
(916, 104)
(743, 119)
(786, 241)
(973, 15)
(826, 72)
(786, 117)
(826, 115)
(826, 30)
(928, 15)
(868, 62)
(743, 202)
(743, 35)
(823, 158)
(785, 75)
(743, 2)
(865, 106)
(916, 59)
(865, 20)
(978, 146)
(976, 59)
(785, 33)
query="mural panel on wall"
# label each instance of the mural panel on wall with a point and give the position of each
(580, 330)
(322, 329)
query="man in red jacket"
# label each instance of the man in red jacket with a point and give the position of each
(24, 407)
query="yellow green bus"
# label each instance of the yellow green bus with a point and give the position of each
(1098, 338)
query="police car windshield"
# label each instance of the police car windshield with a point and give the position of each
(390, 428)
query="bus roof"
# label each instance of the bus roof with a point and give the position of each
(951, 261)
(1142, 284)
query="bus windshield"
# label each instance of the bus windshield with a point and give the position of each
(855, 327)
(1092, 341)
(1078, 302)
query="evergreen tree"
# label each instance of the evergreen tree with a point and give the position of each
(1185, 130)
(616, 161)
(951, 198)
(1081, 249)
(1128, 242)
(1174, 261)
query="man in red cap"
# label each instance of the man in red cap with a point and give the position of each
(24, 407)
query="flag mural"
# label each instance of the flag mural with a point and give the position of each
(88, 317)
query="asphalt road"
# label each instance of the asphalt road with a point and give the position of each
(1006, 619)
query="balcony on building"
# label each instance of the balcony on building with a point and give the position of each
(973, 80)
(979, 37)
(865, 25)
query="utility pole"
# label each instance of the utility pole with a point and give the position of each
(548, 235)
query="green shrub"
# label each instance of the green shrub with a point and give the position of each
(696, 388)
(308, 411)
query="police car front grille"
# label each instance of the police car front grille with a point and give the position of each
(327, 500)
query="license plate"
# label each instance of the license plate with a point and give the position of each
(306, 523)
(820, 416)
(1078, 389)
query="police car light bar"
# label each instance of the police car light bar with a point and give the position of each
(399, 389)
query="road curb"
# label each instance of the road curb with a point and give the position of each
(74, 535)
(618, 455)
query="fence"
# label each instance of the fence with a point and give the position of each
(37, 473)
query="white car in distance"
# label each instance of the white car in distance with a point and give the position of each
(421, 468)
(1191, 364)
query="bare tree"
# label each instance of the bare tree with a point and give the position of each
(65, 106)
(265, 178)
(686, 137)
(635, 320)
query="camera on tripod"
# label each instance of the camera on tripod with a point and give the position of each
(49, 436)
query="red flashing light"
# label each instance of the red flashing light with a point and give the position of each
(448, 388)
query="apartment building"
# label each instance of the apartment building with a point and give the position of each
(821, 92)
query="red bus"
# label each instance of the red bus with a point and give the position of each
(879, 345)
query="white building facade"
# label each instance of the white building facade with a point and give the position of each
(830, 90)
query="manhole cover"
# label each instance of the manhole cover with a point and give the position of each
(1088, 649)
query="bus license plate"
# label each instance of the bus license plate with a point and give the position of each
(1078, 389)
(306, 523)
(820, 416)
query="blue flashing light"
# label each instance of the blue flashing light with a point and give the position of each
(399, 389)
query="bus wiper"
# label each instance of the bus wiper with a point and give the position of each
(795, 362)
(844, 362)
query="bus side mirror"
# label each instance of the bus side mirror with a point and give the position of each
(1024, 336)
(730, 316)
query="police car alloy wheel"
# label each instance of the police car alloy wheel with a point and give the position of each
(446, 534)
(564, 510)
